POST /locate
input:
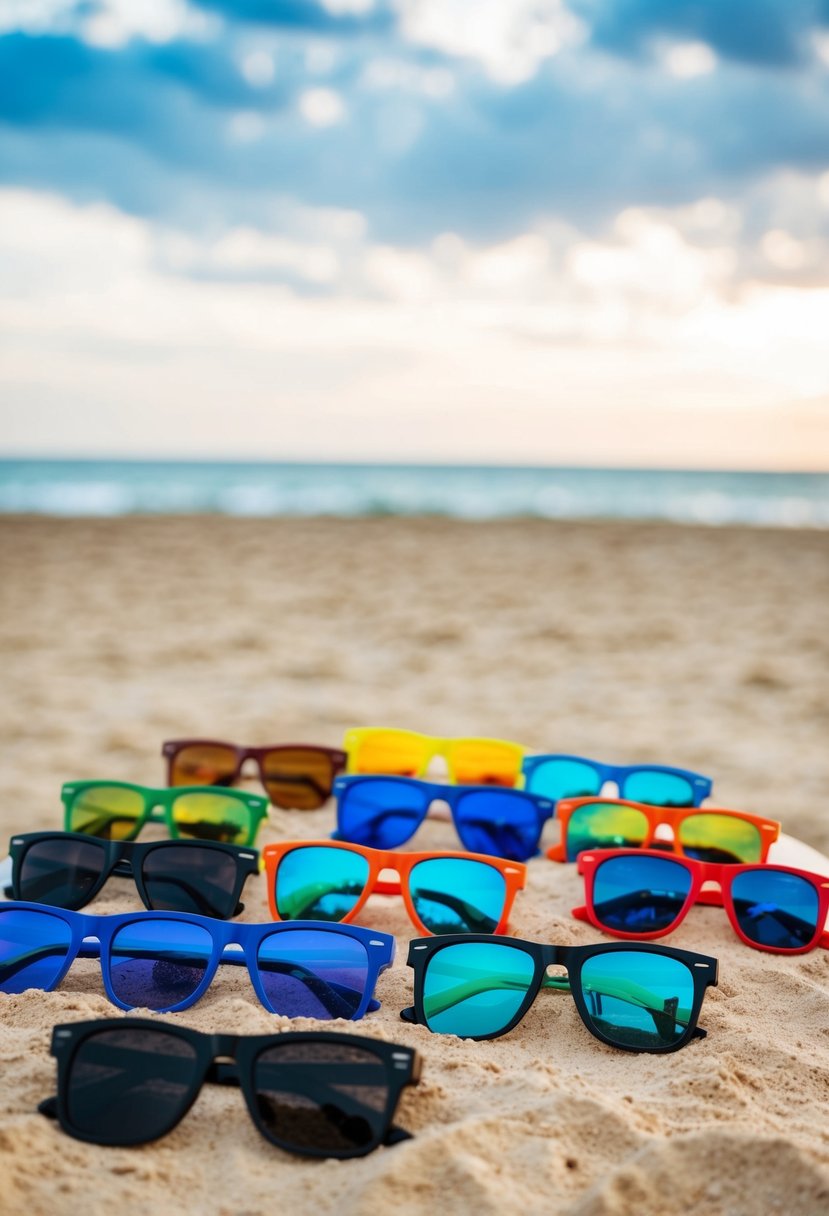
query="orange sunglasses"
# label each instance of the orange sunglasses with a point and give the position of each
(443, 892)
(711, 834)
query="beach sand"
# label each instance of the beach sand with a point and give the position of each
(704, 648)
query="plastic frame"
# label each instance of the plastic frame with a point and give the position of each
(431, 745)
(171, 748)
(214, 1053)
(125, 859)
(158, 805)
(703, 969)
(514, 874)
(379, 948)
(618, 773)
(658, 816)
(701, 872)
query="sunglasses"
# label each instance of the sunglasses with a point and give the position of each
(296, 776)
(405, 753)
(442, 892)
(644, 894)
(385, 812)
(127, 1081)
(166, 960)
(68, 869)
(118, 810)
(637, 997)
(575, 777)
(716, 835)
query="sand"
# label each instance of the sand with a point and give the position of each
(705, 648)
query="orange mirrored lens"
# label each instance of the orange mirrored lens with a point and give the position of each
(485, 762)
(203, 764)
(298, 777)
(388, 752)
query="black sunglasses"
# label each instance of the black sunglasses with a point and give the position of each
(126, 1081)
(68, 869)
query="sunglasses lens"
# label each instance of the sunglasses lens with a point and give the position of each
(637, 999)
(776, 909)
(485, 762)
(33, 949)
(158, 964)
(213, 817)
(389, 752)
(720, 838)
(457, 895)
(380, 814)
(319, 883)
(602, 825)
(564, 779)
(475, 989)
(299, 777)
(639, 894)
(107, 811)
(181, 877)
(313, 973)
(498, 822)
(658, 789)
(60, 872)
(321, 1098)
(128, 1086)
(203, 764)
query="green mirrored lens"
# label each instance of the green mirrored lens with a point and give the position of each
(214, 816)
(107, 811)
(603, 825)
(712, 836)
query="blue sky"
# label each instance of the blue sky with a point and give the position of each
(540, 229)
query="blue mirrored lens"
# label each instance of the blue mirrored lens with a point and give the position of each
(499, 822)
(456, 895)
(319, 883)
(33, 949)
(381, 814)
(657, 789)
(564, 779)
(637, 999)
(313, 973)
(476, 989)
(639, 894)
(776, 909)
(158, 964)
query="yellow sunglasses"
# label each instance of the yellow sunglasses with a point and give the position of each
(405, 753)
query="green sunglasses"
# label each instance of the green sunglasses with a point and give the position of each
(118, 810)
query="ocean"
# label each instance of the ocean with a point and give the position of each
(120, 487)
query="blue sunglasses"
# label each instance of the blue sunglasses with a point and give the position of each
(166, 960)
(385, 812)
(563, 776)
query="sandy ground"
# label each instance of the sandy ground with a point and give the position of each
(707, 649)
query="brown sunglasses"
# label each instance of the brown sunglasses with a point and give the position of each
(296, 776)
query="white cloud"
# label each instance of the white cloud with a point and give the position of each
(258, 69)
(321, 107)
(686, 60)
(782, 250)
(112, 23)
(246, 127)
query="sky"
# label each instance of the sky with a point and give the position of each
(545, 231)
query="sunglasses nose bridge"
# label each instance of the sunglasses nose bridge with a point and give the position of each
(556, 977)
(223, 1047)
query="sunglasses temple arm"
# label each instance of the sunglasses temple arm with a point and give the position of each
(49, 1107)
(579, 913)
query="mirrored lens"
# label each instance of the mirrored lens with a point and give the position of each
(158, 964)
(217, 817)
(719, 837)
(564, 779)
(33, 949)
(319, 883)
(313, 973)
(127, 1086)
(204, 764)
(321, 1097)
(107, 811)
(381, 814)
(456, 895)
(776, 909)
(475, 989)
(484, 762)
(61, 872)
(637, 999)
(658, 789)
(181, 877)
(499, 822)
(390, 752)
(639, 894)
(298, 777)
(602, 825)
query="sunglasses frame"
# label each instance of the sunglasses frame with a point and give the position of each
(379, 948)
(432, 745)
(158, 806)
(618, 773)
(701, 872)
(214, 1053)
(514, 874)
(657, 816)
(125, 859)
(171, 748)
(702, 967)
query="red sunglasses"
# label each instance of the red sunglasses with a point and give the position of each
(295, 775)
